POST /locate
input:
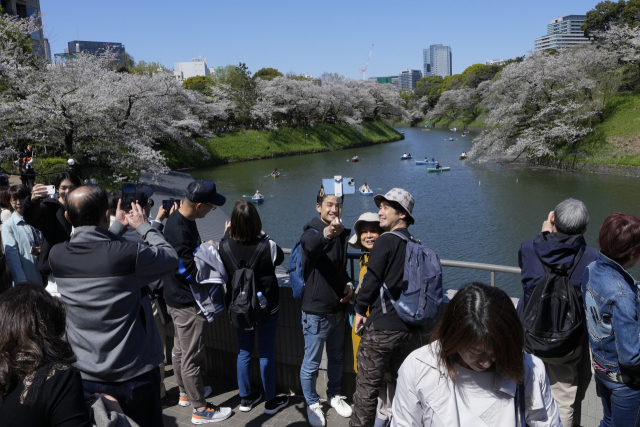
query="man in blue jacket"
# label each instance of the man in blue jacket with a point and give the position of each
(557, 245)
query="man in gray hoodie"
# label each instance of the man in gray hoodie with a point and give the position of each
(103, 280)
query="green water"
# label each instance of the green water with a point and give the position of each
(472, 213)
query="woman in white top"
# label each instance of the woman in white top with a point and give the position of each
(475, 373)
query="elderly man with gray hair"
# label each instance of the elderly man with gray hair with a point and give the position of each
(559, 250)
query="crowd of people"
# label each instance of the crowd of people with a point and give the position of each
(91, 289)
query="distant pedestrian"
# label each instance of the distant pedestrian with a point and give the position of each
(611, 298)
(475, 373)
(21, 241)
(248, 242)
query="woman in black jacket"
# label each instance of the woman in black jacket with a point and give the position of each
(249, 243)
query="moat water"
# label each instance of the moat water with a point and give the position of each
(471, 213)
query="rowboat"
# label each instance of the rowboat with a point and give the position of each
(419, 162)
(450, 139)
(453, 130)
(438, 170)
(366, 193)
(466, 132)
(463, 157)
(355, 159)
(406, 158)
(274, 175)
(258, 199)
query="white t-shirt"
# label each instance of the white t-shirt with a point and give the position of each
(475, 393)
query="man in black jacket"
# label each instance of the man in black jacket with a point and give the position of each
(188, 350)
(386, 339)
(47, 215)
(327, 291)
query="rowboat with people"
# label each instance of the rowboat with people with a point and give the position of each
(426, 162)
(406, 156)
(365, 190)
(355, 159)
(445, 169)
(275, 173)
(257, 198)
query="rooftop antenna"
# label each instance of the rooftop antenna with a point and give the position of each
(366, 66)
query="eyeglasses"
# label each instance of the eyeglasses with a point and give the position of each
(211, 205)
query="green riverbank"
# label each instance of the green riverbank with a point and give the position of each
(252, 144)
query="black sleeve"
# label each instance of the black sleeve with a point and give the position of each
(37, 215)
(374, 278)
(313, 243)
(66, 396)
(181, 239)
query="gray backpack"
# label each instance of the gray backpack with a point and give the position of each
(421, 295)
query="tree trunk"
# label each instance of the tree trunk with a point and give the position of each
(68, 142)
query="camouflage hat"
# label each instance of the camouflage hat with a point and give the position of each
(400, 197)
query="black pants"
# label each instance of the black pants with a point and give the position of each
(139, 397)
(377, 350)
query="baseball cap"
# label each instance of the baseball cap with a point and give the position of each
(204, 191)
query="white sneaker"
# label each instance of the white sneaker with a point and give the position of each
(184, 399)
(315, 415)
(341, 407)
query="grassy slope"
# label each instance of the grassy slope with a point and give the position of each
(238, 146)
(617, 139)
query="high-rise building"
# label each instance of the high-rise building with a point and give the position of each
(26, 9)
(437, 61)
(47, 51)
(197, 67)
(407, 79)
(95, 48)
(562, 33)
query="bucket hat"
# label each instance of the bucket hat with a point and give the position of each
(399, 196)
(354, 241)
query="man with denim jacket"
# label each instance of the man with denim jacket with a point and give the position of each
(327, 291)
(557, 245)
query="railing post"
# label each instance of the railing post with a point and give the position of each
(493, 278)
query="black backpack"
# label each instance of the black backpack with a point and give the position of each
(553, 318)
(244, 309)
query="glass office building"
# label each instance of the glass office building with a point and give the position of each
(437, 61)
(562, 33)
(407, 79)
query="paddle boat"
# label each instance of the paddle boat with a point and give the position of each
(406, 157)
(446, 169)
(258, 198)
(426, 162)
(365, 191)
(355, 159)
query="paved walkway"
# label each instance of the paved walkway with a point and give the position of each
(226, 394)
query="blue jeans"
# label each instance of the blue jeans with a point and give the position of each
(620, 404)
(266, 346)
(318, 329)
(139, 397)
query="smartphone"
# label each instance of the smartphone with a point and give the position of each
(128, 196)
(168, 204)
(346, 185)
(359, 331)
(51, 190)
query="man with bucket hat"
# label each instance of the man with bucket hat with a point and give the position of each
(188, 351)
(386, 339)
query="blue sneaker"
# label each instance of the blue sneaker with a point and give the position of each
(212, 414)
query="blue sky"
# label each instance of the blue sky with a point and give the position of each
(308, 37)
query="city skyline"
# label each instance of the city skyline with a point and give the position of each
(284, 35)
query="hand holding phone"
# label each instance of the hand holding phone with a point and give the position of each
(128, 196)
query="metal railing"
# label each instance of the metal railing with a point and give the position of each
(493, 268)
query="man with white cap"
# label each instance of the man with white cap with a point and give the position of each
(386, 339)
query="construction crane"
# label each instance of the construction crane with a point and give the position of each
(366, 66)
